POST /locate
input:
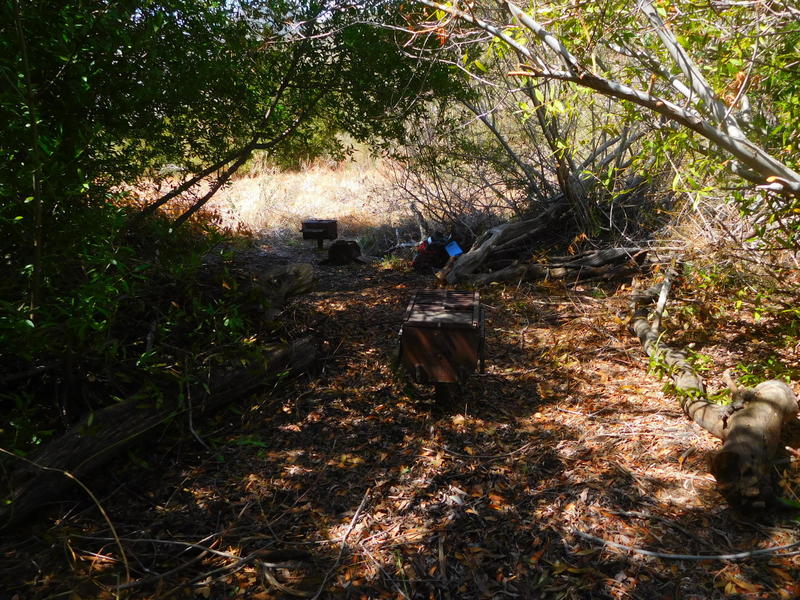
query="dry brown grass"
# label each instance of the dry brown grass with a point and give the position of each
(270, 202)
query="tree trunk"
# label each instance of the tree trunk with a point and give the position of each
(497, 239)
(743, 467)
(600, 264)
(750, 427)
(103, 435)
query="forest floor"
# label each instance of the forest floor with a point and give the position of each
(354, 483)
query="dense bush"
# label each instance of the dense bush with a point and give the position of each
(102, 99)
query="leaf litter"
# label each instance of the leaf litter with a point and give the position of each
(545, 477)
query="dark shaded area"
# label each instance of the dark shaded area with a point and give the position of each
(369, 488)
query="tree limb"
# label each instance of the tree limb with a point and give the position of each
(697, 82)
(725, 134)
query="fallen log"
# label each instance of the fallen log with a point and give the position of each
(602, 257)
(498, 239)
(750, 427)
(275, 284)
(105, 434)
(743, 467)
(688, 384)
(601, 264)
(282, 283)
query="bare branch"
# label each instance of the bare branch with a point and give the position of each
(697, 82)
(721, 128)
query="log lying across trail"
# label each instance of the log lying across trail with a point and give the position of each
(750, 426)
(99, 438)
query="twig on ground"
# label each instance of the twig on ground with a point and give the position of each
(226, 570)
(211, 576)
(344, 545)
(489, 456)
(196, 546)
(666, 521)
(191, 422)
(662, 302)
(162, 576)
(311, 486)
(277, 556)
(91, 495)
(774, 551)
(443, 565)
(580, 414)
(270, 578)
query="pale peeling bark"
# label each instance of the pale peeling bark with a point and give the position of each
(697, 82)
(708, 118)
(751, 426)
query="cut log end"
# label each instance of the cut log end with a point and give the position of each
(744, 480)
(743, 467)
(750, 427)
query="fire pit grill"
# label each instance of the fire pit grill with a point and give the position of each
(442, 336)
(319, 229)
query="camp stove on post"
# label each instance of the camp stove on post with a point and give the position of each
(319, 229)
(442, 338)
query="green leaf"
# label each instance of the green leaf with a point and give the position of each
(790, 503)
(250, 441)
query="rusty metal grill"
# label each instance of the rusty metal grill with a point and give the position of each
(319, 229)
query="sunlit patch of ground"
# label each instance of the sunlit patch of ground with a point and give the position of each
(517, 489)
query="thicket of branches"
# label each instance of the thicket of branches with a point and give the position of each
(609, 123)
(616, 112)
(573, 122)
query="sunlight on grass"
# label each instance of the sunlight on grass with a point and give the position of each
(355, 193)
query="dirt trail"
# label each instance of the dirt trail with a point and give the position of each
(392, 496)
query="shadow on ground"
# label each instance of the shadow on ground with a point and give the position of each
(361, 486)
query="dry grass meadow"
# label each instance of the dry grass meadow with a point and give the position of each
(357, 193)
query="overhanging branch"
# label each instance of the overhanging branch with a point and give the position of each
(724, 133)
